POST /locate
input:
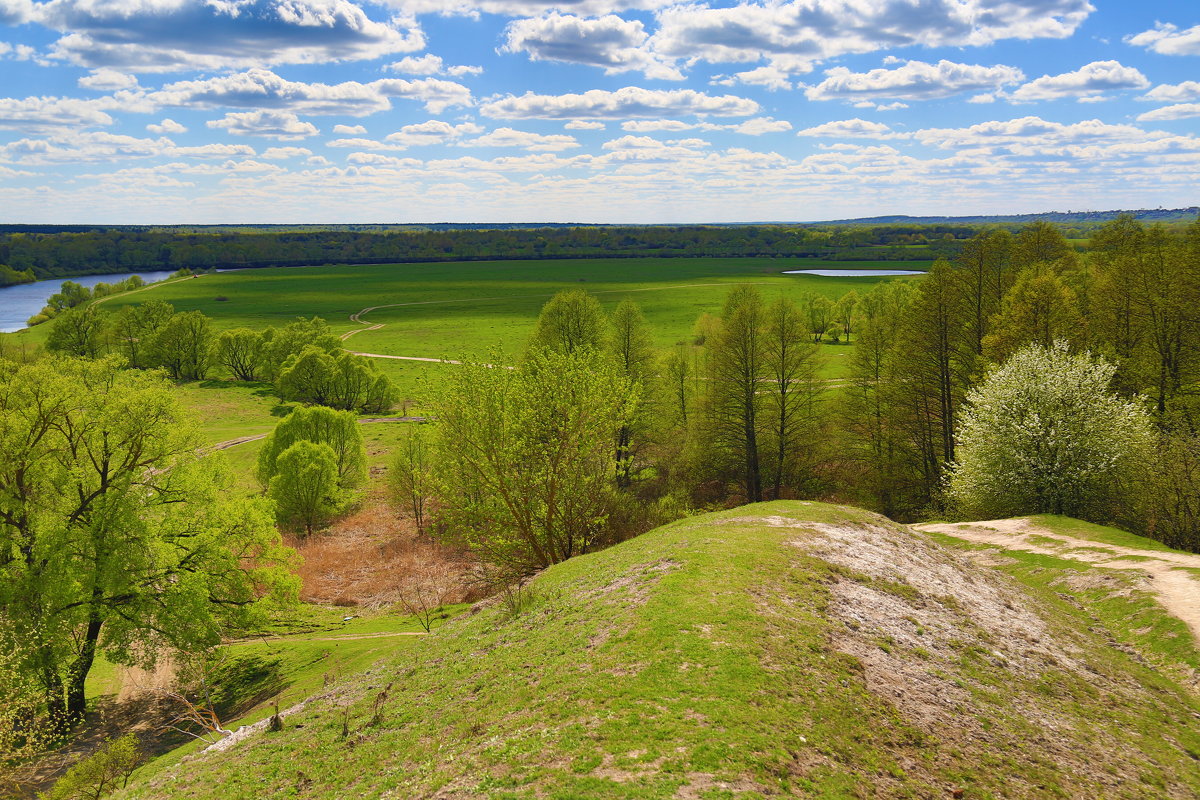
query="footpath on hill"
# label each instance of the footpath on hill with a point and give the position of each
(1168, 573)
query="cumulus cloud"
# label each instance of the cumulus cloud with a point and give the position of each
(751, 127)
(166, 126)
(628, 102)
(14, 12)
(525, 140)
(1031, 131)
(142, 36)
(1174, 93)
(610, 42)
(815, 30)
(852, 129)
(1166, 113)
(1168, 40)
(429, 64)
(284, 153)
(108, 80)
(262, 88)
(17, 52)
(349, 130)
(915, 80)
(771, 77)
(435, 131)
(49, 113)
(1088, 82)
(282, 125)
(100, 146)
(583, 125)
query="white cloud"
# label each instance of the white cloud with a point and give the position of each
(108, 80)
(430, 64)
(1174, 93)
(166, 126)
(751, 127)
(1178, 111)
(263, 89)
(284, 153)
(816, 30)
(1086, 83)
(282, 125)
(534, 142)
(349, 130)
(581, 125)
(852, 129)
(435, 131)
(986, 97)
(48, 113)
(170, 35)
(1168, 40)
(628, 102)
(771, 77)
(14, 12)
(100, 146)
(610, 42)
(916, 80)
(17, 52)
(1031, 132)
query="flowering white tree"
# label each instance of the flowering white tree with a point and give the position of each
(1044, 434)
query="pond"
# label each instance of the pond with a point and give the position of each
(854, 273)
(19, 303)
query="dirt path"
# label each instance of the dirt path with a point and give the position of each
(1167, 572)
(344, 637)
(365, 421)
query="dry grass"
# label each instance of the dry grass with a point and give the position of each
(368, 558)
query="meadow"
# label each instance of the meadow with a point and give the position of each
(465, 309)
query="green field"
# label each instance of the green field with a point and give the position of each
(469, 308)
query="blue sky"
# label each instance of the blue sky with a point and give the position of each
(209, 111)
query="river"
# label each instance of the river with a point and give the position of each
(19, 303)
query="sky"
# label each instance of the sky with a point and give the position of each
(607, 111)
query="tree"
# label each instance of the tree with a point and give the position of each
(1039, 309)
(819, 310)
(634, 355)
(241, 352)
(319, 425)
(79, 332)
(572, 320)
(524, 459)
(790, 363)
(734, 365)
(845, 311)
(115, 534)
(1045, 434)
(135, 326)
(281, 344)
(984, 270)
(183, 346)
(100, 773)
(411, 474)
(305, 486)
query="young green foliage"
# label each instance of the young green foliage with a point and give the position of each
(305, 486)
(319, 425)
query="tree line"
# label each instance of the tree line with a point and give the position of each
(48, 255)
(304, 360)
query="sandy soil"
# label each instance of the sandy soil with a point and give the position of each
(1175, 588)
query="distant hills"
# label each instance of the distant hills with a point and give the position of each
(1063, 217)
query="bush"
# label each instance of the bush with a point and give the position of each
(101, 773)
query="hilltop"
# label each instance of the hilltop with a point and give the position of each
(779, 649)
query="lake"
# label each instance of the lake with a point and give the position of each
(854, 273)
(19, 303)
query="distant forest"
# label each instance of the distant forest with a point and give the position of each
(63, 251)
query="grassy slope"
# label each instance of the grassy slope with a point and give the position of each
(711, 659)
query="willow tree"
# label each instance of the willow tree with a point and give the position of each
(115, 534)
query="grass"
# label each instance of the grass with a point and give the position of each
(470, 308)
(698, 660)
(1101, 534)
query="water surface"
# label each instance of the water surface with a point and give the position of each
(854, 273)
(19, 303)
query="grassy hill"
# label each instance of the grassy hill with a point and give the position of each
(781, 649)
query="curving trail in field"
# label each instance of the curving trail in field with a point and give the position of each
(364, 421)
(1167, 573)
